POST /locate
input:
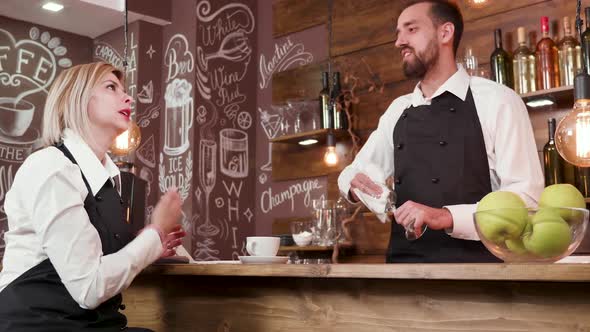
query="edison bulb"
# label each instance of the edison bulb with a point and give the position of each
(330, 157)
(128, 141)
(572, 135)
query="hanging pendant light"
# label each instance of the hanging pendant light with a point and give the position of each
(572, 135)
(129, 140)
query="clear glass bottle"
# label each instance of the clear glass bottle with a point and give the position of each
(570, 55)
(547, 59)
(470, 62)
(523, 65)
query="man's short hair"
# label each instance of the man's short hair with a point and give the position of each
(442, 11)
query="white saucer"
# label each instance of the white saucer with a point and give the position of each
(264, 259)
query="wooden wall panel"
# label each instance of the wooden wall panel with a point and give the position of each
(494, 8)
(295, 15)
(373, 104)
(301, 83)
(364, 24)
(359, 25)
(379, 64)
(292, 161)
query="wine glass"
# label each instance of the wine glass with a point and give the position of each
(207, 177)
(410, 233)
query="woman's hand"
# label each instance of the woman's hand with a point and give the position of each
(173, 240)
(167, 213)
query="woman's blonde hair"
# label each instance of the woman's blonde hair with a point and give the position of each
(67, 101)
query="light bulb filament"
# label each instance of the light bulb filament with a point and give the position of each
(331, 158)
(583, 135)
(122, 141)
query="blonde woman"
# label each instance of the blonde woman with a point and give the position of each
(68, 253)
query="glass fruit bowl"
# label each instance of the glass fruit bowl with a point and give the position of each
(531, 235)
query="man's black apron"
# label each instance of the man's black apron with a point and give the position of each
(37, 301)
(440, 159)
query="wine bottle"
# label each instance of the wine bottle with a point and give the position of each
(570, 57)
(338, 113)
(547, 59)
(551, 158)
(500, 62)
(523, 64)
(326, 116)
(583, 180)
(586, 41)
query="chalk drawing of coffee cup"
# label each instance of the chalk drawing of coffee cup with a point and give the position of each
(178, 116)
(16, 116)
(16, 149)
(233, 153)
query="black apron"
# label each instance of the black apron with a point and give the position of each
(440, 159)
(37, 301)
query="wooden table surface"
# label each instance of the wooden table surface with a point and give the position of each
(517, 272)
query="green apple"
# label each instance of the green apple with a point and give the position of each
(550, 235)
(546, 214)
(562, 195)
(516, 246)
(500, 200)
(501, 215)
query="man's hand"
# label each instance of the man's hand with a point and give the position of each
(432, 217)
(365, 185)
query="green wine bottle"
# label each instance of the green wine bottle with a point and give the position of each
(583, 180)
(338, 112)
(586, 41)
(551, 159)
(501, 62)
(326, 116)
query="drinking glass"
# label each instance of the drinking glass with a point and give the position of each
(326, 230)
(410, 233)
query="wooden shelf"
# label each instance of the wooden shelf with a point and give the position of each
(563, 95)
(319, 134)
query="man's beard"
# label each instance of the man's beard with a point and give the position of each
(422, 62)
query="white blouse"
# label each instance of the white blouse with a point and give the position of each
(47, 219)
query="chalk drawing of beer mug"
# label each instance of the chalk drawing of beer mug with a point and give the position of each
(178, 117)
(16, 116)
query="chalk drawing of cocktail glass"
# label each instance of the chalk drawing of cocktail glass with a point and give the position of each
(207, 177)
(271, 124)
(178, 117)
(233, 152)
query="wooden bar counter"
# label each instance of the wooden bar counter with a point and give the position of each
(361, 297)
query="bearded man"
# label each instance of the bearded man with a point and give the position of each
(447, 144)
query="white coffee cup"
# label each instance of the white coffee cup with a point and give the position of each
(262, 245)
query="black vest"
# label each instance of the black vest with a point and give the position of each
(37, 301)
(440, 159)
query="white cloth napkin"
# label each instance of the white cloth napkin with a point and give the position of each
(181, 251)
(375, 204)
